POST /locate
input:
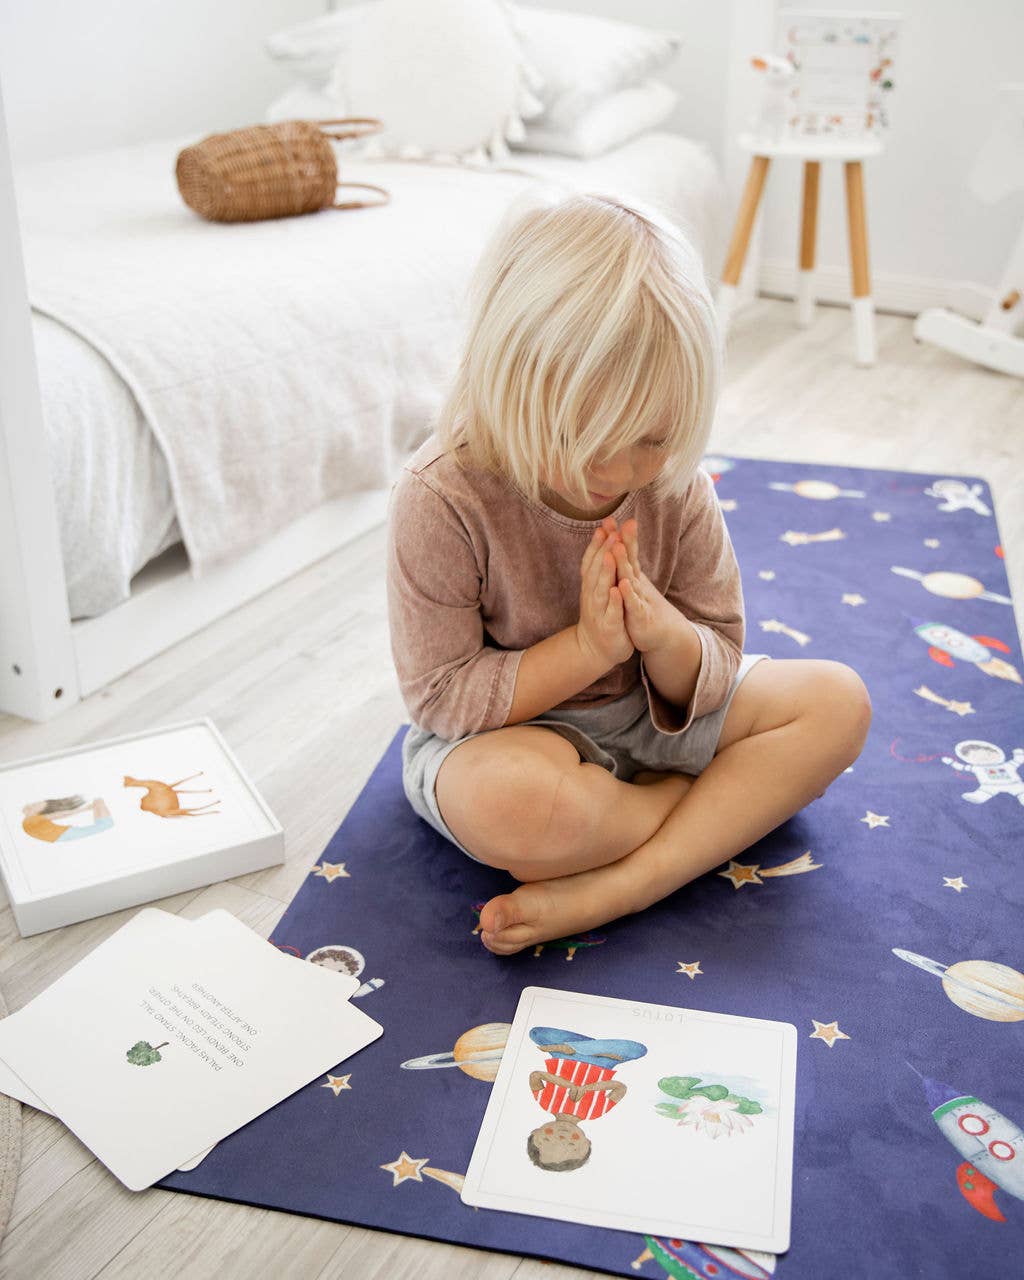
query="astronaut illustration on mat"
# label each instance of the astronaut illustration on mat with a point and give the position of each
(995, 775)
(957, 495)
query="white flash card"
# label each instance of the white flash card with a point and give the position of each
(642, 1117)
(182, 1033)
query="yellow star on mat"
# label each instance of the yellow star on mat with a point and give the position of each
(330, 871)
(691, 970)
(962, 708)
(954, 882)
(337, 1083)
(932, 542)
(741, 873)
(767, 574)
(851, 597)
(405, 1167)
(875, 820)
(728, 504)
(880, 516)
(827, 1031)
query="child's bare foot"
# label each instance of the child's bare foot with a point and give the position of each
(566, 905)
(547, 909)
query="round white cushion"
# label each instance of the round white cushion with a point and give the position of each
(446, 77)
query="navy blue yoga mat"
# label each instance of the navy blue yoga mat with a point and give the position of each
(884, 921)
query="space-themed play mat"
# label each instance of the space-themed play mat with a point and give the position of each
(883, 921)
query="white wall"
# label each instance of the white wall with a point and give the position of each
(79, 75)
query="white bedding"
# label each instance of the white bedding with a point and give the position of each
(215, 382)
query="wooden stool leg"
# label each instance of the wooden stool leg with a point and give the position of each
(808, 237)
(740, 242)
(863, 307)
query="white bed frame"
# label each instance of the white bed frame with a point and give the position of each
(48, 662)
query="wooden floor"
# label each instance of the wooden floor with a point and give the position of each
(304, 674)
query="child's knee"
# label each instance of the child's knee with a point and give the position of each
(843, 707)
(551, 816)
(515, 808)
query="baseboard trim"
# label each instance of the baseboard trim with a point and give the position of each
(902, 295)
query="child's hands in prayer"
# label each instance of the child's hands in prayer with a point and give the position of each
(601, 630)
(651, 621)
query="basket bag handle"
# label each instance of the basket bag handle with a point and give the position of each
(339, 135)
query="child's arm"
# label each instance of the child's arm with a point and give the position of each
(559, 667)
(668, 640)
(691, 634)
(453, 682)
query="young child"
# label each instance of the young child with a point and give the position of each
(565, 605)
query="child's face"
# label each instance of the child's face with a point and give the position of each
(609, 478)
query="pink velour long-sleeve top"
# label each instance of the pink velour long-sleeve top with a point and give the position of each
(478, 572)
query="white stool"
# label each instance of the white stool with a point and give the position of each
(851, 151)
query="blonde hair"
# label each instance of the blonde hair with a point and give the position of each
(590, 328)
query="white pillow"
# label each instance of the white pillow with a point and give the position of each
(447, 78)
(309, 50)
(608, 123)
(580, 58)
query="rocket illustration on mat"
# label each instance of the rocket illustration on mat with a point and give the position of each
(689, 1260)
(992, 1146)
(946, 644)
(717, 467)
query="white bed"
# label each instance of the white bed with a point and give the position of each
(250, 390)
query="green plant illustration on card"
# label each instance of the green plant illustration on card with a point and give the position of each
(712, 1109)
(143, 1054)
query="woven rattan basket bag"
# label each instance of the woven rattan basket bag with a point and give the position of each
(270, 170)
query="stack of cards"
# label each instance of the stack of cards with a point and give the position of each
(173, 1034)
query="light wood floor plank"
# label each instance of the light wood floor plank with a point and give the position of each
(192, 1236)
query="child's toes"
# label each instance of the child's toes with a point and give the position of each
(512, 920)
(499, 913)
(508, 942)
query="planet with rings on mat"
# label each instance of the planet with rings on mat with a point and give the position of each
(477, 1052)
(954, 586)
(818, 490)
(981, 987)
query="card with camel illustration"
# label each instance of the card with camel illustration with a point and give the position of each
(641, 1117)
(110, 810)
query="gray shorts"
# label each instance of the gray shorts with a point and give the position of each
(619, 735)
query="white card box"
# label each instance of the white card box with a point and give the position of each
(112, 824)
